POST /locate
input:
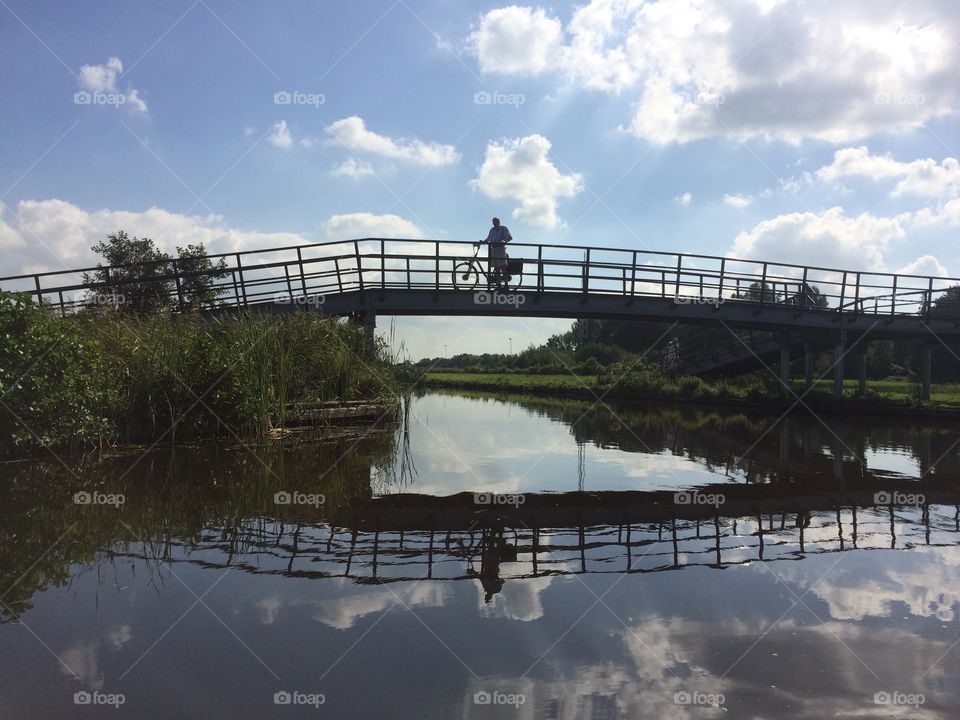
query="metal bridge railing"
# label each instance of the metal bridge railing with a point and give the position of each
(305, 272)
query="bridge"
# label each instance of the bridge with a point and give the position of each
(791, 306)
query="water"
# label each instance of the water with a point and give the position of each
(775, 587)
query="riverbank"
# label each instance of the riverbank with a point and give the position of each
(892, 396)
(103, 378)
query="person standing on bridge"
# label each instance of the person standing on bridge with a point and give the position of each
(496, 241)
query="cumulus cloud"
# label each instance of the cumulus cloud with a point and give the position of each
(831, 237)
(926, 265)
(737, 201)
(351, 168)
(102, 79)
(280, 135)
(520, 169)
(518, 40)
(55, 235)
(925, 177)
(351, 226)
(789, 71)
(683, 199)
(352, 133)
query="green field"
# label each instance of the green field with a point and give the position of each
(893, 392)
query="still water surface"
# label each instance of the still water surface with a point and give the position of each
(776, 585)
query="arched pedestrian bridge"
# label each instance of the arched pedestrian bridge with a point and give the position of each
(809, 306)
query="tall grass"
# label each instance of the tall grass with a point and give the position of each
(178, 377)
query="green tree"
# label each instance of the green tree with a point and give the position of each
(134, 275)
(198, 276)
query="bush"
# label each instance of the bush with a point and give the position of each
(52, 380)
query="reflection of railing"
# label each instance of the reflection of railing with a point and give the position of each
(305, 272)
(505, 552)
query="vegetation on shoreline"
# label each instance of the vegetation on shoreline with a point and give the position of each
(105, 376)
(647, 383)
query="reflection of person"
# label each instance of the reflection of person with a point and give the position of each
(496, 241)
(491, 547)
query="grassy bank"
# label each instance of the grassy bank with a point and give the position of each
(108, 377)
(647, 384)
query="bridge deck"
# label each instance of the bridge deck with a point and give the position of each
(418, 277)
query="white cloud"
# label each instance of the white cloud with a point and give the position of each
(57, 235)
(737, 201)
(351, 226)
(518, 40)
(352, 133)
(706, 68)
(351, 168)
(103, 79)
(280, 135)
(832, 238)
(925, 177)
(684, 199)
(520, 169)
(926, 265)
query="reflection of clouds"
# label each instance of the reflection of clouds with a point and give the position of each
(268, 607)
(462, 444)
(119, 636)
(923, 580)
(518, 600)
(82, 659)
(343, 611)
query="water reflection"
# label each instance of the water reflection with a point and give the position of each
(597, 596)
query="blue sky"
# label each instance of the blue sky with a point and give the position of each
(808, 132)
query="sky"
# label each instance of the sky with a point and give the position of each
(808, 131)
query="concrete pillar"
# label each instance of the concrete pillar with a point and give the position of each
(862, 367)
(838, 365)
(926, 363)
(807, 367)
(370, 328)
(784, 367)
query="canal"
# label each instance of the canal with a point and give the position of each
(494, 557)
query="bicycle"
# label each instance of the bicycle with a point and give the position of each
(467, 273)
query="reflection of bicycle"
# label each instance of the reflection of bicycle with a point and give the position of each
(467, 273)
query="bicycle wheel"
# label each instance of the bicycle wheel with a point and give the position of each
(465, 275)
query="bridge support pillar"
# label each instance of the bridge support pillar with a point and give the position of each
(862, 368)
(784, 367)
(807, 366)
(369, 330)
(839, 356)
(926, 368)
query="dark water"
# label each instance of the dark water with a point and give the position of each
(577, 586)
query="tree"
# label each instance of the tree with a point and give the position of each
(138, 277)
(197, 276)
(133, 276)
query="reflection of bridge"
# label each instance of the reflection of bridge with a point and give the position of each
(415, 277)
(411, 537)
